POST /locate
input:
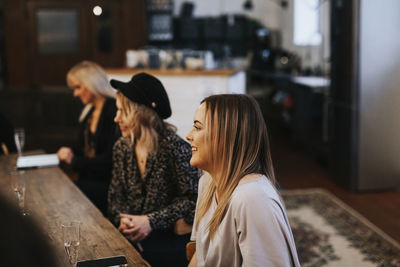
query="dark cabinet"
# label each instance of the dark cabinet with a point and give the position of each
(159, 20)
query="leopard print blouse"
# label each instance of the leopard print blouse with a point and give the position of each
(168, 190)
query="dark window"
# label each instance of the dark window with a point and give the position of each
(57, 31)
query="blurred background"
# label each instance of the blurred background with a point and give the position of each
(325, 73)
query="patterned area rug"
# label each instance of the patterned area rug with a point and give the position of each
(328, 232)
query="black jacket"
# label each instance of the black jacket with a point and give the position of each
(6, 134)
(99, 167)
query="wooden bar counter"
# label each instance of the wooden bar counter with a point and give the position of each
(51, 199)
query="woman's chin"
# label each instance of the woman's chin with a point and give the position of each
(193, 162)
(126, 135)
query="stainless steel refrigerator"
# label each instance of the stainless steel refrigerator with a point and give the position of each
(364, 102)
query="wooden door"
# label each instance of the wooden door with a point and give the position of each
(44, 38)
(64, 33)
(58, 39)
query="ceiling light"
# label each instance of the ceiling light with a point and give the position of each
(97, 10)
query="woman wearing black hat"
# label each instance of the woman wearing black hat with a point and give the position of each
(153, 187)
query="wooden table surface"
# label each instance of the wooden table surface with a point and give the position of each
(51, 199)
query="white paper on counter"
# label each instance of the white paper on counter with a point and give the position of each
(45, 160)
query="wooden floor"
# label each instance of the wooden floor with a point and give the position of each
(295, 170)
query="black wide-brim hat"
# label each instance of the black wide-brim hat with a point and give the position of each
(147, 90)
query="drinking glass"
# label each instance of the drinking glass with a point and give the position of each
(71, 236)
(19, 187)
(19, 137)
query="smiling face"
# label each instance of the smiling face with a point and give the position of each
(198, 140)
(82, 92)
(120, 118)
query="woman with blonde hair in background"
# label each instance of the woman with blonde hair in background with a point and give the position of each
(153, 190)
(240, 218)
(91, 157)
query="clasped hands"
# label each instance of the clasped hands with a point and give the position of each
(134, 227)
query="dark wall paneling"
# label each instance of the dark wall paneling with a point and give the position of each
(103, 39)
(133, 26)
(17, 42)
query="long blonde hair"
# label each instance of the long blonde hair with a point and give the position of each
(238, 138)
(144, 122)
(93, 77)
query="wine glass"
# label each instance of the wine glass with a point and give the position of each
(19, 187)
(19, 137)
(71, 236)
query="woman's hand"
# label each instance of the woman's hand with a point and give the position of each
(124, 223)
(65, 154)
(134, 227)
(182, 228)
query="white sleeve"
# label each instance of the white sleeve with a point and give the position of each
(262, 231)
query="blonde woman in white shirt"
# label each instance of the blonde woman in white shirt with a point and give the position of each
(240, 218)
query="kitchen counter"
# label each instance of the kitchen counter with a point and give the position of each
(174, 72)
(186, 89)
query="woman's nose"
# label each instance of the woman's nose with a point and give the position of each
(189, 136)
(116, 117)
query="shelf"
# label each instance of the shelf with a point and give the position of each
(168, 8)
